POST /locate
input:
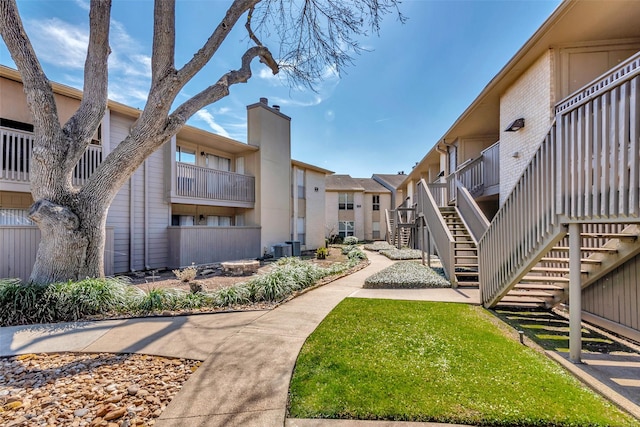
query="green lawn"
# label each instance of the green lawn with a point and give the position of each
(421, 361)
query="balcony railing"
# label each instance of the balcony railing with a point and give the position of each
(480, 176)
(204, 183)
(15, 150)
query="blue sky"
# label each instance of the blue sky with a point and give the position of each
(380, 116)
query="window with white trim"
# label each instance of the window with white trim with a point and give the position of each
(376, 202)
(345, 201)
(345, 228)
(185, 155)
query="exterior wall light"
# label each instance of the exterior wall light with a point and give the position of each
(515, 126)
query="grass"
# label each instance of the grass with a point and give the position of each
(436, 362)
(406, 275)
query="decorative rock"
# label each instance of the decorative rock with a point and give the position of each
(115, 414)
(78, 390)
(81, 412)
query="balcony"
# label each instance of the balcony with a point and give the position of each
(481, 176)
(213, 187)
(15, 152)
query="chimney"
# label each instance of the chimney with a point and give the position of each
(276, 107)
(264, 101)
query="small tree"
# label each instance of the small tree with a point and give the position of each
(313, 35)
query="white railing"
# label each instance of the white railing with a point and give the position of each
(471, 176)
(204, 183)
(470, 213)
(586, 170)
(526, 222)
(476, 175)
(438, 230)
(15, 151)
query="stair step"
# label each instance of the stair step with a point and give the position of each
(620, 236)
(553, 270)
(566, 260)
(549, 279)
(465, 257)
(533, 293)
(466, 273)
(518, 304)
(522, 299)
(549, 287)
(566, 248)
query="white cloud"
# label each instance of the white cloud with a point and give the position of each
(208, 118)
(59, 43)
(82, 4)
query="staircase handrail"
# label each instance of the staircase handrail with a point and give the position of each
(442, 237)
(586, 170)
(390, 229)
(470, 213)
(526, 220)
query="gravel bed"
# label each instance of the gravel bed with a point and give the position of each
(70, 389)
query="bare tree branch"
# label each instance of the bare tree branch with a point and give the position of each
(221, 88)
(202, 57)
(83, 124)
(36, 84)
(164, 38)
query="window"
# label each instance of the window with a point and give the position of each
(345, 228)
(218, 163)
(184, 155)
(375, 230)
(345, 201)
(453, 159)
(218, 221)
(300, 182)
(182, 220)
(301, 231)
(376, 202)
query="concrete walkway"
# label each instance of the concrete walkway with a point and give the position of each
(249, 356)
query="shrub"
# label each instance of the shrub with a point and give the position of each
(379, 246)
(356, 254)
(348, 248)
(322, 253)
(160, 299)
(230, 296)
(186, 274)
(402, 254)
(406, 275)
(350, 240)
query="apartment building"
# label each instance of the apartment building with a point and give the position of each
(202, 198)
(356, 207)
(534, 189)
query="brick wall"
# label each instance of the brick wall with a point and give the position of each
(530, 97)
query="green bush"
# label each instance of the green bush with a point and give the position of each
(379, 246)
(402, 254)
(350, 240)
(348, 248)
(406, 275)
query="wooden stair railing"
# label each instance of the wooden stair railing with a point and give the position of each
(585, 171)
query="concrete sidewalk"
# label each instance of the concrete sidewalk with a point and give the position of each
(249, 356)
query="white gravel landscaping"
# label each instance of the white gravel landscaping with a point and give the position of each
(406, 275)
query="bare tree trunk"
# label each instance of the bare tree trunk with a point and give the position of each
(72, 244)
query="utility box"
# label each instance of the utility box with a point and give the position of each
(295, 247)
(281, 250)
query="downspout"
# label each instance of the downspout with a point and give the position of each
(146, 215)
(131, 223)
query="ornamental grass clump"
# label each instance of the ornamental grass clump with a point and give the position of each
(402, 254)
(406, 275)
(61, 302)
(379, 246)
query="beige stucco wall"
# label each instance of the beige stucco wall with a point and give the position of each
(370, 216)
(270, 130)
(330, 213)
(13, 103)
(530, 97)
(315, 209)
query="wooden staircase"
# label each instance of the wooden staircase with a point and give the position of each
(465, 251)
(546, 284)
(400, 226)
